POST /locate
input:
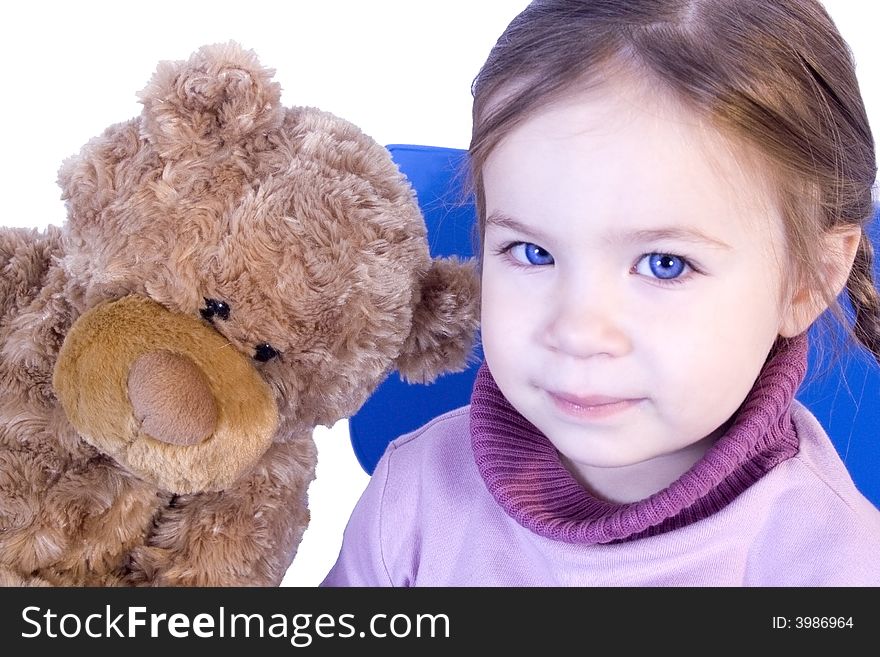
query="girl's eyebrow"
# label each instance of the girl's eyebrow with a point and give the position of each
(678, 233)
(498, 218)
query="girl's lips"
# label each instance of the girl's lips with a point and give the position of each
(592, 406)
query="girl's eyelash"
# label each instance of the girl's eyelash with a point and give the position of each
(678, 280)
(505, 249)
(507, 246)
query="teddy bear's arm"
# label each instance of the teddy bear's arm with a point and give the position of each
(25, 258)
(246, 535)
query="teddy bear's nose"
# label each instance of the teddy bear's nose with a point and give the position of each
(171, 398)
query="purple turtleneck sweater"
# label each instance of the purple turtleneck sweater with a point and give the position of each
(479, 497)
(510, 452)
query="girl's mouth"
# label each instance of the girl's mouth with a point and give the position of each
(592, 407)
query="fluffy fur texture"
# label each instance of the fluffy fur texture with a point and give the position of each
(231, 274)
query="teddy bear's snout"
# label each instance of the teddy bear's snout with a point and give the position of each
(171, 398)
(164, 395)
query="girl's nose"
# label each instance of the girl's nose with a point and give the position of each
(586, 323)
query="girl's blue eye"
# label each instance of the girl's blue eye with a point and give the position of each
(527, 253)
(664, 266)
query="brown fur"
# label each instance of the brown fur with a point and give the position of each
(297, 221)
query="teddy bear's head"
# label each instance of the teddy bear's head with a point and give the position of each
(241, 272)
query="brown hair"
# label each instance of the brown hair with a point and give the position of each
(775, 74)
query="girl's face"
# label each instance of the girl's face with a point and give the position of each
(632, 283)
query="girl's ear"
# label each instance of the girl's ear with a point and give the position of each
(838, 251)
(444, 322)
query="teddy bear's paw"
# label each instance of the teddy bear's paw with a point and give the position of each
(164, 395)
(217, 98)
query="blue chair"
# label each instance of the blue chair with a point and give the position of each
(436, 175)
(842, 387)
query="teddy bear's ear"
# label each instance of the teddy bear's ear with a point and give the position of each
(220, 96)
(444, 323)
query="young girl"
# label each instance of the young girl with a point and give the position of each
(669, 193)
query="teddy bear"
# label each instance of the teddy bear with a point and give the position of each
(231, 274)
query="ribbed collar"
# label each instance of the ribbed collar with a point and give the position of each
(523, 471)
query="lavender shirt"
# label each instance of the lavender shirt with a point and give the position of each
(478, 497)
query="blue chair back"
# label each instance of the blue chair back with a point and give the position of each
(396, 408)
(842, 387)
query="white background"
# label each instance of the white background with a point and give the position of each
(399, 69)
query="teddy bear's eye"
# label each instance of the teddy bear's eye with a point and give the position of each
(215, 308)
(264, 352)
